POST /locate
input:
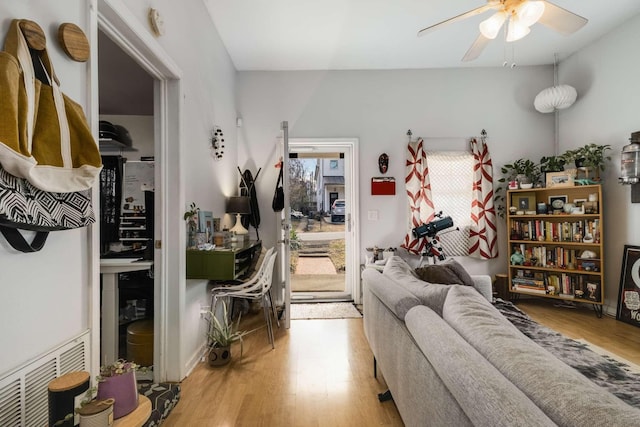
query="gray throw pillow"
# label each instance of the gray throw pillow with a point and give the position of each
(449, 272)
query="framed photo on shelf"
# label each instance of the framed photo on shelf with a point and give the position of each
(216, 225)
(524, 201)
(558, 201)
(629, 293)
(559, 179)
(203, 216)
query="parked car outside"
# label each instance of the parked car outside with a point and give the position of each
(296, 214)
(338, 210)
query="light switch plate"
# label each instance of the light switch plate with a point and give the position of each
(372, 215)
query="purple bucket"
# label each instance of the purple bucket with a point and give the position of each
(123, 389)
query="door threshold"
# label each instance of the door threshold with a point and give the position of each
(298, 298)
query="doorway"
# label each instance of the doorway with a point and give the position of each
(322, 195)
(125, 31)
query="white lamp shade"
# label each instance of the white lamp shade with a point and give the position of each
(555, 98)
(491, 26)
(530, 12)
(517, 29)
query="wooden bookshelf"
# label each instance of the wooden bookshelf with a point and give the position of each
(555, 241)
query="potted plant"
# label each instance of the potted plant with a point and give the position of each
(552, 163)
(191, 216)
(222, 333)
(589, 156)
(522, 173)
(118, 381)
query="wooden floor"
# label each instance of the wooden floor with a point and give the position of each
(321, 373)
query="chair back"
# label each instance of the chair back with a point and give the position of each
(266, 275)
(256, 264)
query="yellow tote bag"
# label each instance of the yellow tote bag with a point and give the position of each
(44, 135)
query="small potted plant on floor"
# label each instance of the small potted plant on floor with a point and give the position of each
(118, 381)
(222, 333)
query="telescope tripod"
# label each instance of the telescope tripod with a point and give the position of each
(432, 249)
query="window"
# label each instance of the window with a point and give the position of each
(451, 178)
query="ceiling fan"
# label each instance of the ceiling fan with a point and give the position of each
(520, 15)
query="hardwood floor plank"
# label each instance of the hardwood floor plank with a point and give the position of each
(321, 373)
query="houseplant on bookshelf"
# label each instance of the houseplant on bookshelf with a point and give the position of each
(118, 381)
(222, 333)
(552, 163)
(522, 173)
(591, 156)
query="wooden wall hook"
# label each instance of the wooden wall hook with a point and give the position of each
(73, 42)
(33, 34)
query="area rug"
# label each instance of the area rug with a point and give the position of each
(629, 366)
(324, 310)
(163, 397)
(611, 374)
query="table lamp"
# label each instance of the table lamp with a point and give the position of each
(238, 205)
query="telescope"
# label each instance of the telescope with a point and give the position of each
(432, 228)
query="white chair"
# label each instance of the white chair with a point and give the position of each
(257, 288)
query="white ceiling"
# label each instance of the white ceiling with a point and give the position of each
(381, 34)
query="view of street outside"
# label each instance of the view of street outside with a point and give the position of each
(317, 242)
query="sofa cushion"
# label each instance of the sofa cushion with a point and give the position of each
(566, 396)
(430, 294)
(449, 272)
(398, 269)
(485, 395)
(395, 298)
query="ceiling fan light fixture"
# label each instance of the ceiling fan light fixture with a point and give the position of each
(517, 29)
(530, 12)
(491, 26)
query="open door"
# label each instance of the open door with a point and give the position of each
(285, 225)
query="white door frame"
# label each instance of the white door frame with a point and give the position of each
(352, 196)
(115, 19)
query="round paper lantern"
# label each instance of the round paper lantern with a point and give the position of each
(555, 98)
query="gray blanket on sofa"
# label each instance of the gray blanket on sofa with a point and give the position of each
(604, 371)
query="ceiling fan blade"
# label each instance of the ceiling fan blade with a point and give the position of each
(561, 20)
(476, 48)
(469, 14)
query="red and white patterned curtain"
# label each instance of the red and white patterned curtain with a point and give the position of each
(419, 194)
(483, 231)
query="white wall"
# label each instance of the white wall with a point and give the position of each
(378, 107)
(44, 296)
(606, 77)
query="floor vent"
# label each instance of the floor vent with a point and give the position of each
(23, 392)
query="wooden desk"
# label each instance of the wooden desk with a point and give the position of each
(110, 268)
(138, 417)
(228, 263)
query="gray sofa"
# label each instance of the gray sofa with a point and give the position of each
(450, 358)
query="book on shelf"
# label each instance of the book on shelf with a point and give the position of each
(549, 231)
(529, 289)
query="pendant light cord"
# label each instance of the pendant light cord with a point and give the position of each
(556, 136)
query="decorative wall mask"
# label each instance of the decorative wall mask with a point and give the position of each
(383, 162)
(217, 143)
